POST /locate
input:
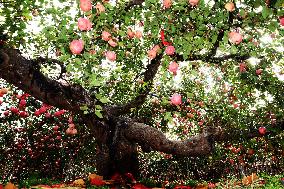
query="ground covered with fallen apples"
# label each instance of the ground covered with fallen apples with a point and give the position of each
(96, 182)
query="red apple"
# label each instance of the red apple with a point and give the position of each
(258, 71)
(230, 6)
(55, 128)
(262, 130)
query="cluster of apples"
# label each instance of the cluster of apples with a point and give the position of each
(84, 24)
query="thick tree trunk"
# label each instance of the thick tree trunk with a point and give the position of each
(115, 153)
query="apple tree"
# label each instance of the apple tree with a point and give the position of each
(175, 76)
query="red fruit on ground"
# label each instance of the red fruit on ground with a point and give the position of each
(97, 182)
(139, 186)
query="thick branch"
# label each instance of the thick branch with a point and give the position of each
(149, 136)
(25, 74)
(198, 145)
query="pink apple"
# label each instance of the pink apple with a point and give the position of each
(230, 6)
(262, 130)
(85, 5)
(235, 37)
(47, 115)
(76, 46)
(152, 54)
(23, 102)
(6, 113)
(84, 24)
(173, 67)
(193, 2)
(100, 8)
(106, 36)
(42, 109)
(236, 106)
(59, 113)
(55, 128)
(156, 48)
(112, 43)
(37, 113)
(24, 114)
(110, 55)
(281, 20)
(170, 50)
(14, 110)
(176, 99)
(130, 33)
(258, 71)
(71, 131)
(138, 34)
(242, 67)
(167, 3)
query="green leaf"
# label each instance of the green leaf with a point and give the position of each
(104, 100)
(98, 113)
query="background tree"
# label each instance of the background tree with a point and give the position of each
(202, 71)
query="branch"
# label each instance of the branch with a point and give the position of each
(25, 74)
(202, 144)
(133, 3)
(215, 60)
(148, 136)
(139, 100)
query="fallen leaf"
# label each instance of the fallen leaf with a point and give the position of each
(247, 180)
(96, 180)
(201, 186)
(182, 187)
(139, 186)
(79, 182)
(10, 185)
